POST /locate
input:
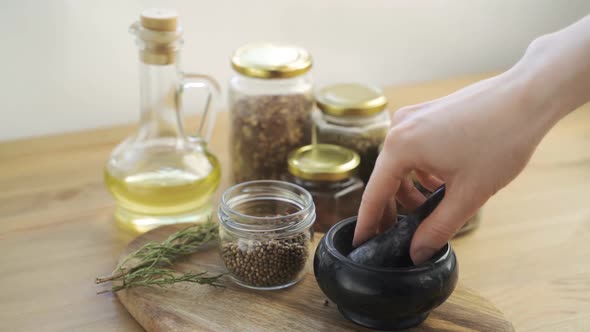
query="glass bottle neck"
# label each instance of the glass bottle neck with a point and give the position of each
(159, 85)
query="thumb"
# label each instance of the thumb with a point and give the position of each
(438, 228)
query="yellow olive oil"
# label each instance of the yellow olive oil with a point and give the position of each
(156, 196)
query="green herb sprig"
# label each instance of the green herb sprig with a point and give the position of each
(147, 266)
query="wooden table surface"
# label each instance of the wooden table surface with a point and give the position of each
(530, 256)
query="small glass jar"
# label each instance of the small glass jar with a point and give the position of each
(270, 103)
(328, 172)
(353, 116)
(265, 230)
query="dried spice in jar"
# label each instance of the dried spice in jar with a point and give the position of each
(265, 230)
(266, 263)
(329, 173)
(353, 116)
(270, 103)
(264, 130)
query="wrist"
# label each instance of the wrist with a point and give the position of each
(546, 91)
(556, 69)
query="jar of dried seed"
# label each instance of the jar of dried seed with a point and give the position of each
(329, 173)
(265, 230)
(353, 116)
(270, 102)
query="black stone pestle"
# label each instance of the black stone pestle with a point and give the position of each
(392, 247)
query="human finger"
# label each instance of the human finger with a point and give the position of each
(408, 195)
(382, 186)
(428, 181)
(438, 228)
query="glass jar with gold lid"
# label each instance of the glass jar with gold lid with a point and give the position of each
(270, 102)
(354, 116)
(329, 173)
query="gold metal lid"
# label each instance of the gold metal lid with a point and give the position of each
(350, 99)
(323, 162)
(159, 19)
(271, 61)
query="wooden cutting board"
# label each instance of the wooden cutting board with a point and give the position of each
(303, 307)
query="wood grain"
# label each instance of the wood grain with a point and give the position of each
(190, 307)
(530, 256)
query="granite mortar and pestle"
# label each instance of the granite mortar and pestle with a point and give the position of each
(377, 285)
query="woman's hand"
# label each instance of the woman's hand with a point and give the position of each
(475, 140)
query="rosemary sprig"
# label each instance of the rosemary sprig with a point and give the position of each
(146, 266)
(151, 276)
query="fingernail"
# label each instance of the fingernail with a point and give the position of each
(422, 255)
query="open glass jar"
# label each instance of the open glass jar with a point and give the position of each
(329, 173)
(265, 230)
(270, 103)
(353, 116)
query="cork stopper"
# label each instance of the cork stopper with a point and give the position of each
(159, 19)
(159, 36)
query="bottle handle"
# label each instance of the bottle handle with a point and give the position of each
(200, 81)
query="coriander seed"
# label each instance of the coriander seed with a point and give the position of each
(265, 230)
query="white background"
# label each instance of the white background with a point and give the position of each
(69, 65)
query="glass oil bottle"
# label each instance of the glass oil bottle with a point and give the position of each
(161, 175)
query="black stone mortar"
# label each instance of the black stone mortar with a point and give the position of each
(383, 298)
